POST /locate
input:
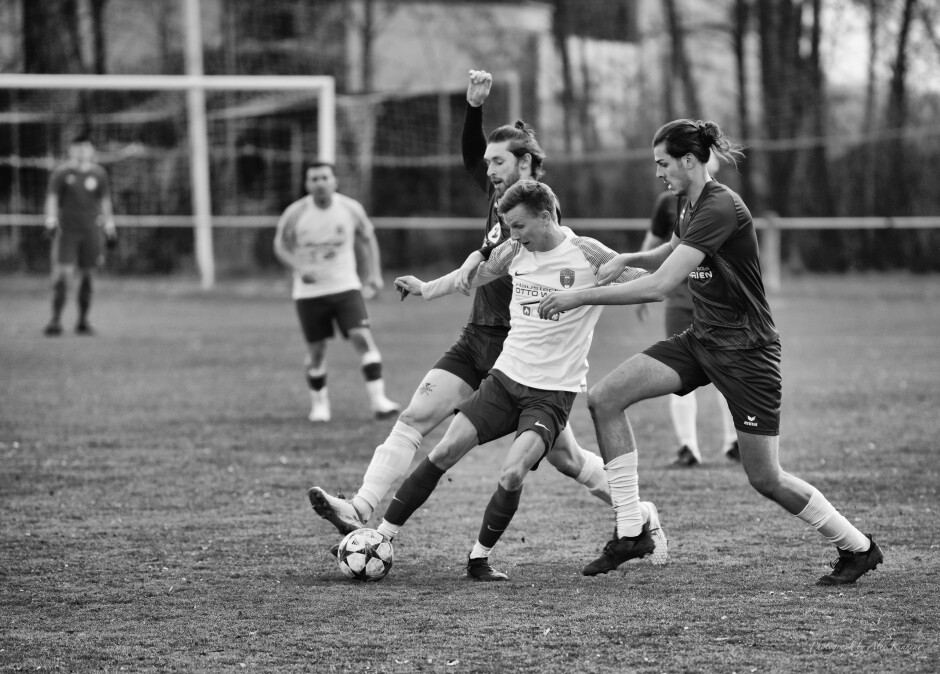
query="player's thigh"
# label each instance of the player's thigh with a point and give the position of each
(638, 378)
(362, 340)
(525, 452)
(760, 457)
(349, 311)
(89, 254)
(460, 438)
(435, 399)
(566, 455)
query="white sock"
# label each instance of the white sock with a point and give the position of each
(388, 530)
(389, 464)
(593, 477)
(683, 410)
(821, 515)
(730, 435)
(321, 396)
(625, 494)
(376, 390)
(480, 551)
(376, 387)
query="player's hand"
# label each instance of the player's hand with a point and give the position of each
(558, 303)
(51, 227)
(642, 311)
(479, 88)
(611, 270)
(408, 285)
(466, 269)
(110, 236)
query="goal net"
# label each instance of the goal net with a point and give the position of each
(258, 132)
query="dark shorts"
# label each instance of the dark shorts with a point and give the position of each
(317, 314)
(79, 246)
(748, 379)
(501, 406)
(473, 354)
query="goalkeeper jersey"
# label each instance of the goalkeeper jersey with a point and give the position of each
(543, 354)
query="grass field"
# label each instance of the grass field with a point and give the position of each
(154, 514)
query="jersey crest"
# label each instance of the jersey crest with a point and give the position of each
(566, 277)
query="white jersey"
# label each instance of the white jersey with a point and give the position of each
(322, 240)
(544, 354)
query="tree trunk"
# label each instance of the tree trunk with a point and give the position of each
(741, 23)
(680, 63)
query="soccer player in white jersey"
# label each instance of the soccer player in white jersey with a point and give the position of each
(509, 153)
(320, 237)
(534, 381)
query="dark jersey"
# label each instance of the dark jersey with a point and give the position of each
(80, 191)
(662, 224)
(490, 301)
(730, 310)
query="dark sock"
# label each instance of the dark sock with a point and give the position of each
(84, 299)
(498, 514)
(413, 492)
(59, 291)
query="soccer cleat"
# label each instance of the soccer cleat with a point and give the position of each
(850, 566)
(660, 551)
(686, 458)
(385, 408)
(52, 330)
(84, 328)
(480, 569)
(336, 510)
(734, 452)
(334, 550)
(617, 551)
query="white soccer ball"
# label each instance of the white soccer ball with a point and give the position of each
(365, 554)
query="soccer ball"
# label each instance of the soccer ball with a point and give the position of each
(365, 554)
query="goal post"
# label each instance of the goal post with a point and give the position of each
(195, 86)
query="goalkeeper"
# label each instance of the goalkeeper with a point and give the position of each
(78, 207)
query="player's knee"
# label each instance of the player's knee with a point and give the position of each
(511, 477)
(601, 402)
(563, 462)
(765, 483)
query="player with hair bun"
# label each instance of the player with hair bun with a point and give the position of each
(496, 162)
(733, 343)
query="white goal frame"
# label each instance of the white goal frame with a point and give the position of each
(322, 86)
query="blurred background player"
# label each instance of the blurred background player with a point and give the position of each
(78, 207)
(320, 237)
(683, 409)
(510, 153)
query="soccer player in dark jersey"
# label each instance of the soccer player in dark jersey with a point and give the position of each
(683, 409)
(78, 208)
(509, 154)
(733, 343)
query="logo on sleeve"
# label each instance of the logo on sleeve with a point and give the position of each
(566, 276)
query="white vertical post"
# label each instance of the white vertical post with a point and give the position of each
(326, 121)
(199, 145)
(771, 253)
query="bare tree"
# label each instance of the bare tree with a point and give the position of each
(680, 65)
